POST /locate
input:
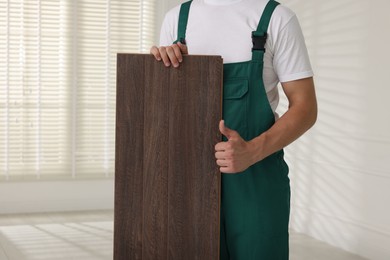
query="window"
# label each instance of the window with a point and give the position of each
(57, 83)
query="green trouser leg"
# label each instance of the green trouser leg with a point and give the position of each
(254, 216)
(255, 204)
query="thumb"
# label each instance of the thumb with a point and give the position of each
(229, 133)
(183, 48)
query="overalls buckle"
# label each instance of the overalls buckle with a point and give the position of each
(258, 41)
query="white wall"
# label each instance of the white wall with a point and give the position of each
(340, 170)
(44, 196)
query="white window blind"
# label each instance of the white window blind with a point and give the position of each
(57, 78)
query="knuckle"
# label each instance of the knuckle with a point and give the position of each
(177, 49)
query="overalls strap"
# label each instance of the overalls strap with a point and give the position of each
(266, 17)
(259, 37)
(183, 19)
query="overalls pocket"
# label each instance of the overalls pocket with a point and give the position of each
(235, 100)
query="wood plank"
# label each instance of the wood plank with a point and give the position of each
(167, 185)
(194, 180)
(129, 147)
(155, 161)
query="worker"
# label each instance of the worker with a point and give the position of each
(262, 44)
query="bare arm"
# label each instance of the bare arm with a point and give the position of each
(300, 116)
(236, 155)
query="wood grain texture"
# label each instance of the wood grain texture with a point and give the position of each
(167, 185)
(193, 180)
(155, 163)
(129, 180)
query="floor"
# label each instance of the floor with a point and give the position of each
(88, 236)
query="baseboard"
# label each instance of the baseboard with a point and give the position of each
(54, 196)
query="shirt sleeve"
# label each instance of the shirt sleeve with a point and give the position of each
(291, 59)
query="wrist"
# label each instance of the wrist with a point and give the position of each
(257, 146)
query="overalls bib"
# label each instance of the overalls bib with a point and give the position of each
(255, 204)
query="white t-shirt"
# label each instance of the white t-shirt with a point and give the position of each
(224, 27)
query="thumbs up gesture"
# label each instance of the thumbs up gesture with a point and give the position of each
(235, 155)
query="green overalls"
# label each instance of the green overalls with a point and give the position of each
(255, 204)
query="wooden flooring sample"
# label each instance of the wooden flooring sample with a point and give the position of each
(167, 184)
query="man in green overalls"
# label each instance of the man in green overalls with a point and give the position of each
(255, 201)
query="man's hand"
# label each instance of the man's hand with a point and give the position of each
(236, 154)
(170, 54)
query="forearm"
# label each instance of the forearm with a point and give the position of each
(285, 131)
(300, 117)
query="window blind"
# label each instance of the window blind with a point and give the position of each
(57, 78)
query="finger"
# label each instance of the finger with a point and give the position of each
(177, 51)
(154, 50)
(183, 48)
(229, 133)
(225, 169)
(222, 163)
(172, 56)
(164, 56)
(222, 146)
(220, 155)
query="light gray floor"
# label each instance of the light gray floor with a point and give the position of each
(89, 236)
